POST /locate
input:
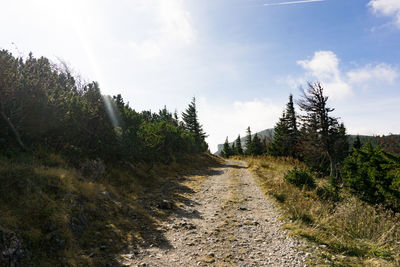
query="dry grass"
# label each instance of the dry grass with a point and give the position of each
(344, 230)
(68, 219)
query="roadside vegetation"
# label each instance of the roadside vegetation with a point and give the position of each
(83, 175)
(345, 230)
(344, 197)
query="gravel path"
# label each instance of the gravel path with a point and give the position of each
(228, 222)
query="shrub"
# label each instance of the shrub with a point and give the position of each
(349, 231)
(300, 178)
(373, 176)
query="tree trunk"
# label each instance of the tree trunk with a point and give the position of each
(333, 168)
(15, 132)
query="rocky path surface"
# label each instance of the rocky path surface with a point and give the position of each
(227, 222)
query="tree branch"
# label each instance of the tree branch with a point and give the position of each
(14, 130)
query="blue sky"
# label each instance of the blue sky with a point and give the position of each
(240, 58)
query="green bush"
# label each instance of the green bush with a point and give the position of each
(373, 176)
(81, 123)
(300, 178)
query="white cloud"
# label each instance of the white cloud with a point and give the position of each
(390, 8)
(381, 73)
(325, 67)
(233, 119)
(175, 22)
(338, 89)
(324, 64)
(169, 27)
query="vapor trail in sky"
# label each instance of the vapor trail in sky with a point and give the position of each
(293, 2)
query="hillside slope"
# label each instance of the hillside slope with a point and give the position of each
(55, 215)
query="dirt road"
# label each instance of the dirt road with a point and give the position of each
(227, 222)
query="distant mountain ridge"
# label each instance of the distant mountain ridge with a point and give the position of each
(389, 143)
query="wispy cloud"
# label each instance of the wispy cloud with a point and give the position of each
(293, 2)
(389, 8)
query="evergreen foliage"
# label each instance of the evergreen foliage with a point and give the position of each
(227, 151)
(322, 135)
(286, 133)
(357, 143)
(239, 149)
(300, 178)
(374, 176)
(341, 147)
(257, 147)
(389, 143)
(371, 173)
(192, 125)
(43, 106)
(248, 144)
(278, 146)
(293, 133)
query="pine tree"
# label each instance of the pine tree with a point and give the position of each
(233, 149)
(176, 119)
(341, 148)
(256, 145)
(293, 133)
(239, 149)
(248, 149)
(321, 131)
(286, 133)
(357, 143)
(192, 125)
(227, 151)
(265, 144)
(278, 146)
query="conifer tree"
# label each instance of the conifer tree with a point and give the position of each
(341, 148)
(227, 151)
(176, 119)
(256, 145)
(265, 144)
(293, 133)
(192, 125)
(320, 130)
(239, 149)
(357, 143)
(248, 149)
(80, 122)
(286, 133)
(278, 146)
